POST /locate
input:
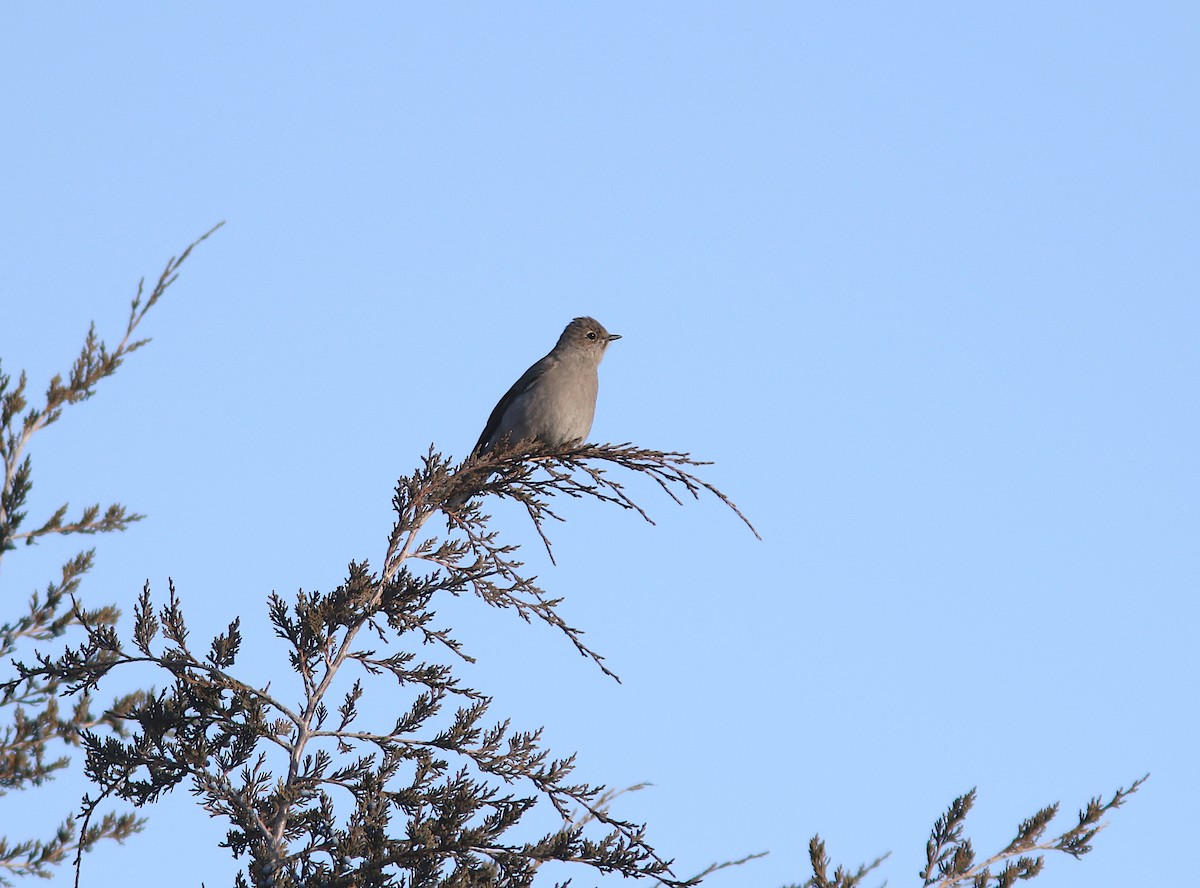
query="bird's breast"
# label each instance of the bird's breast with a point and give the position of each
(559, 408)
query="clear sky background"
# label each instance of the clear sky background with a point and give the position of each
(921, 279)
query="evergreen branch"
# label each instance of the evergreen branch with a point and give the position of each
(94, 363)
(38, 858)
(951, 859)
(219, 732)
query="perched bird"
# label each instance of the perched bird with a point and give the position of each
(554, 401)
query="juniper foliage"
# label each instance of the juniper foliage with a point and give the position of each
(951, 861)
(315, 789)
(33, 724)
(316, 793)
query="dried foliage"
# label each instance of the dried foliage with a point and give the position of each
(951, 861)
(315, 793)
(315, 789)
(841, 878)
(33, 720)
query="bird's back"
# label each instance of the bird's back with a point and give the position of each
(553, 402)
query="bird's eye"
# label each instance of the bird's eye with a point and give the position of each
(592, 335)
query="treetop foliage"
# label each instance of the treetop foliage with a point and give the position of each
(316, 787)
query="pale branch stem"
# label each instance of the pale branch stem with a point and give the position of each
(603, 803)
(12, 457)
(315, 694)
(231, 795)
(78, 527)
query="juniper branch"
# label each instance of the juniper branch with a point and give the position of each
(214, 729)
(951, 859)
(37, 718)
(94, 363)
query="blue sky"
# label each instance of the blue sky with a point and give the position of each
(921, 279)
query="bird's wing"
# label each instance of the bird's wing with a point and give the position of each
(520, 387)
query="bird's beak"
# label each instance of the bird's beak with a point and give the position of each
(612, 336)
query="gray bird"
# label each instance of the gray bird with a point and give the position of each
(554, 401)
